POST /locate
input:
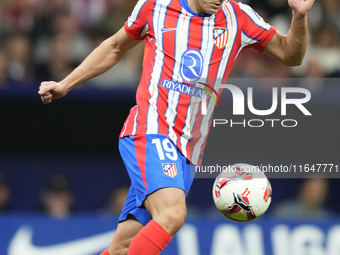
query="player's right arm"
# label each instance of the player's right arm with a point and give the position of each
(291, 49)
(101, 59)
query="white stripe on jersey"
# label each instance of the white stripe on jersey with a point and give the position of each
(186, 136)
(233, 29)
(135, 13)
(134, 129)
(181, 45)
(254, 16)
(204, 129)
(170, 114)
(157, 21)
(207, 49)
(126, 122)
(245, 41)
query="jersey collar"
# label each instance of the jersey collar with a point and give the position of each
(185, 5)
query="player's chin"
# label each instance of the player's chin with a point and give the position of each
(212, 9)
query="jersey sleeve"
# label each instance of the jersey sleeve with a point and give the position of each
(137, 24)
(255, 31)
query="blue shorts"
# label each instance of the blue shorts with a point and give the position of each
(153, 162)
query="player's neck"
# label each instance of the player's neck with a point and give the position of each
(194, 6)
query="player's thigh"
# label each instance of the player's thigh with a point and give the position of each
(167, 207)
(165, 200)
(153, 163)
(126, 231)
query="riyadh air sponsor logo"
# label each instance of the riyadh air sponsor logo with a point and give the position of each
(192, 90)
(191, 65)
(21, 244)
(185, 89)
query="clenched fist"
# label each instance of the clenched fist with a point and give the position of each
(51, 90)
(301, 6)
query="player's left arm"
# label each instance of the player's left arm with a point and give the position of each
(291, 49)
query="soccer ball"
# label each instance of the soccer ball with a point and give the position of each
(242, 192)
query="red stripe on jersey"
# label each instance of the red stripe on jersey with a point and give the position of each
(195, 35)
(143, 93)
(237, 43)
(251, 29)
(128, 124)
(138, 20)
(140, 145)
(220, 21)
(142, 104)
(169, 42)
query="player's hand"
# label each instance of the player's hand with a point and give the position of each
(51, 90)
(301, 6)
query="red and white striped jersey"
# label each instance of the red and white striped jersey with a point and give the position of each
(183, 50)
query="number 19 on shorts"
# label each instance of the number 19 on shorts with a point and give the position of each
(165, 149)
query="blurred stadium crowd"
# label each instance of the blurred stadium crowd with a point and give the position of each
(45, 40)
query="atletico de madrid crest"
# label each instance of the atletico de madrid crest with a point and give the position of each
(169, 169)
(220, 36)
